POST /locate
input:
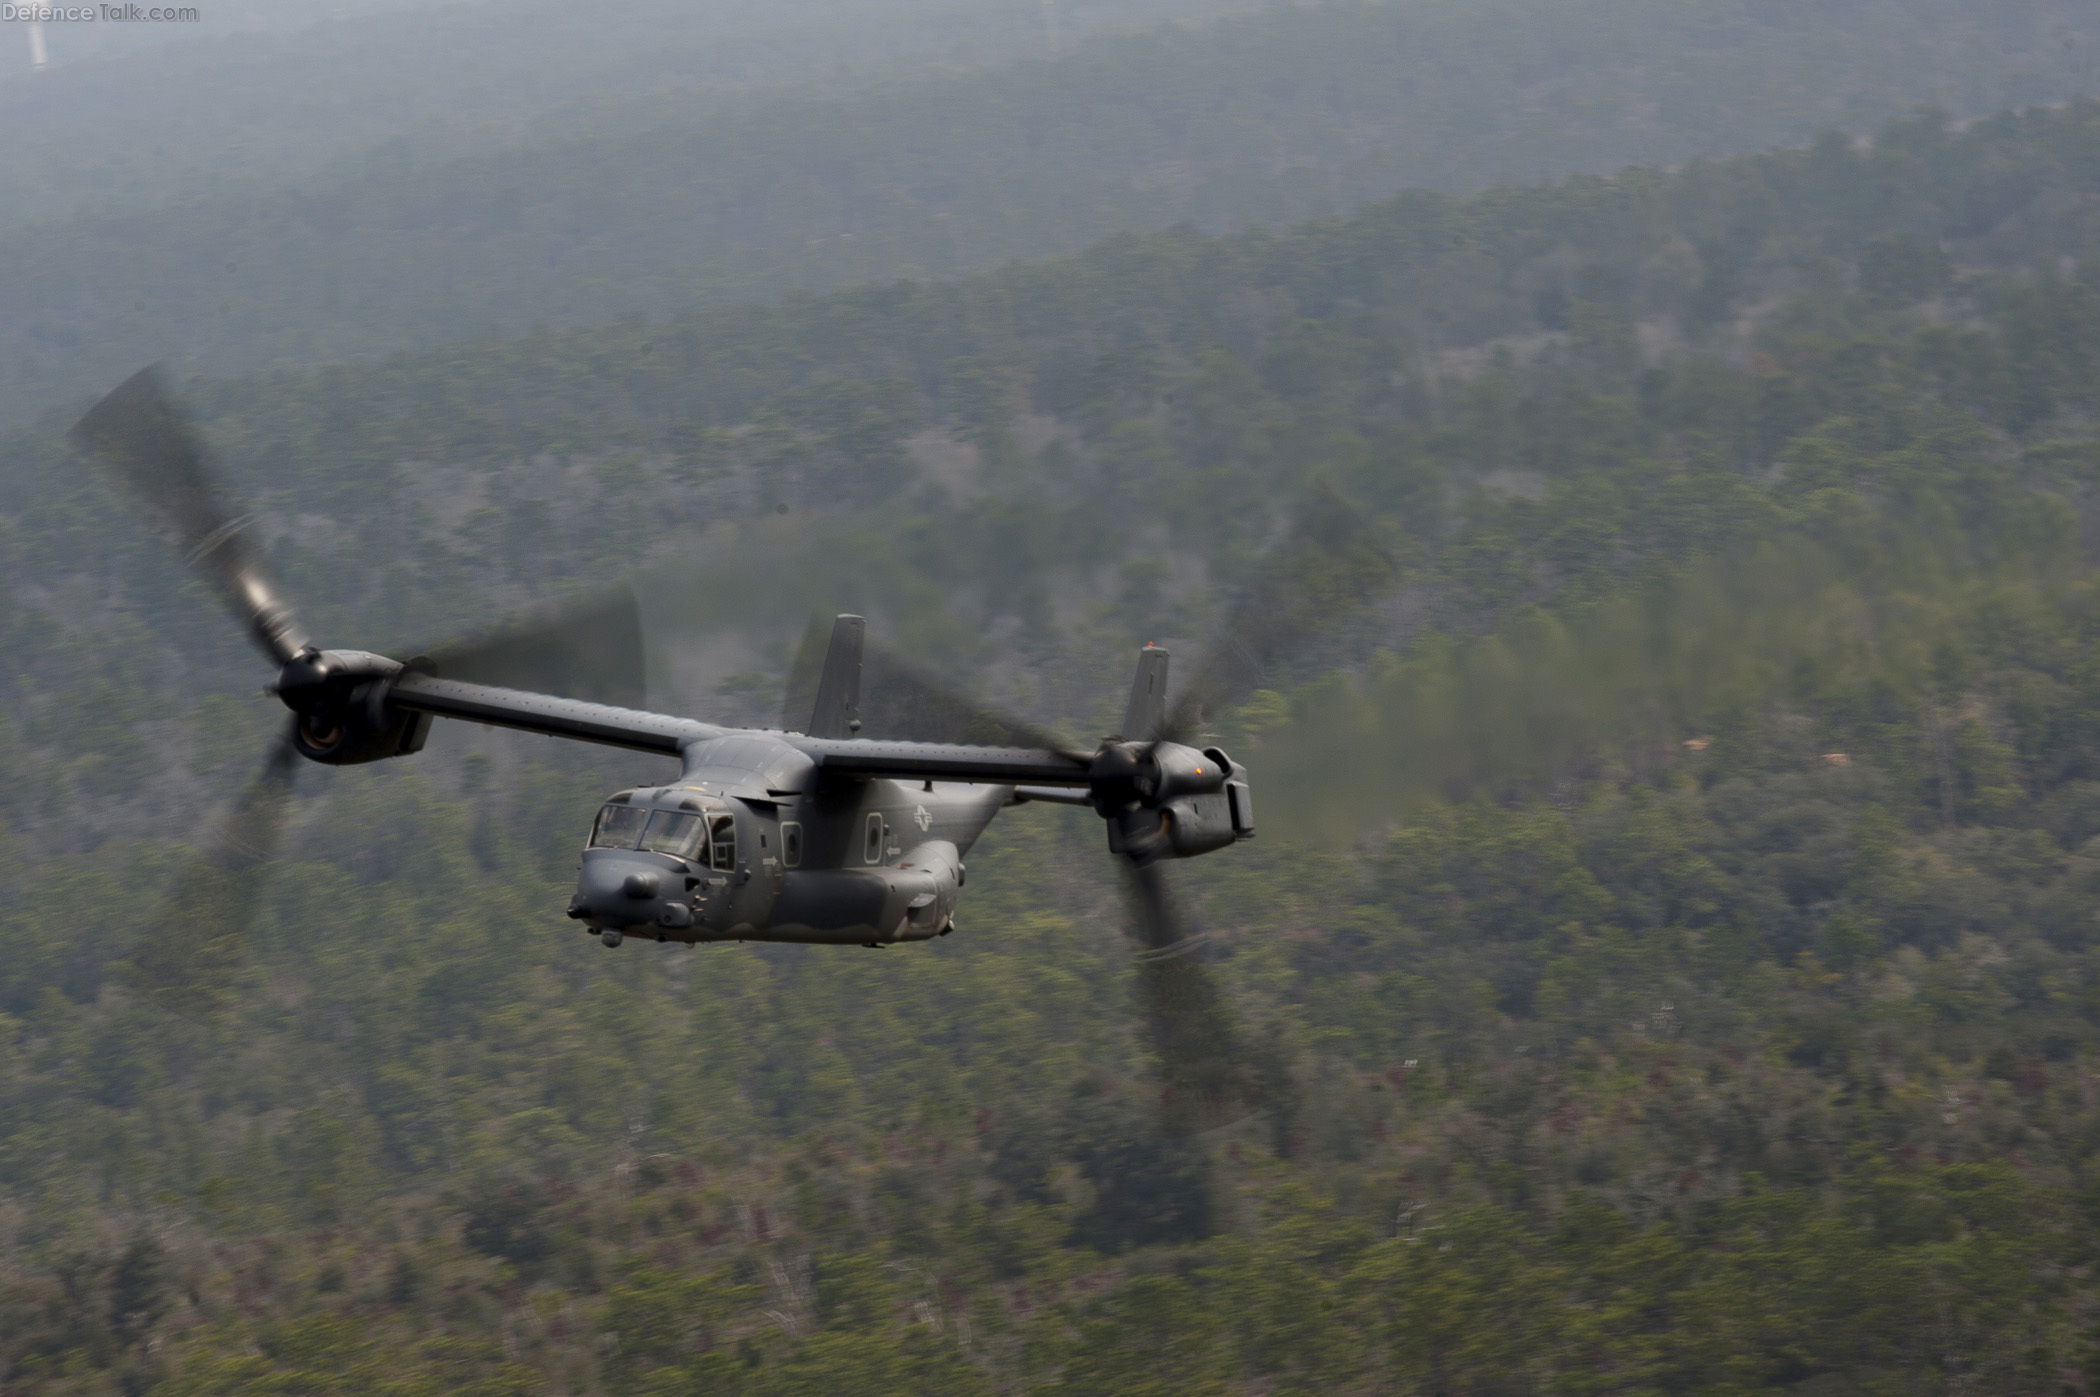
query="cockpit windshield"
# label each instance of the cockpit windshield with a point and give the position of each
(618, 827)
(689, 836)
(672, 833)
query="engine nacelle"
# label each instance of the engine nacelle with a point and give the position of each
(339, 697)
(1172, 770)
(1188, 803)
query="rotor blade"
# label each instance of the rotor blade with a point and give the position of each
(1205, 1078)
(1331, 566)
(188, 960)
(901, 702)
(136, 432)
(589, 649)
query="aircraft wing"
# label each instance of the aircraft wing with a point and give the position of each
(668, 736)
(556, 717)
(940, 761)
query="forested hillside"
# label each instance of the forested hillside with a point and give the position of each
(614, 203)
(1669, 951)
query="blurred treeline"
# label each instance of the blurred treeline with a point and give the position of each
(1669, 952)
(569, 184)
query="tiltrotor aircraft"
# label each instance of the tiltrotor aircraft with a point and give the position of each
(815, 836)
(824, 835)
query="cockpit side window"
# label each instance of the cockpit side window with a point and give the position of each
(675, 834)
(724, 840)
(618, 827)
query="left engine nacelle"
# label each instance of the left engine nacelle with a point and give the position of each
(339, 697)
(1175, 802)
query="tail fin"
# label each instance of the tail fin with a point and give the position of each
(1145, 720)
(837, 712)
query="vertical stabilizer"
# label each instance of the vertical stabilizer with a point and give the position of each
(1145, 720)
(838, 692)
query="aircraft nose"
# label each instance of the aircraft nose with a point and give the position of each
(616, 892)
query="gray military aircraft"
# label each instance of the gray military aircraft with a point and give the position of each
(825, 835)
(816, 836)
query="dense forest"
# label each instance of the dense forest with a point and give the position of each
(504, 214)
(1669, 950)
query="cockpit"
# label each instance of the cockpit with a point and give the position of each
(705, 839)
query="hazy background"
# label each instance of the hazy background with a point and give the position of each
(414, 177)
(130, 111)
(1668, 960)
